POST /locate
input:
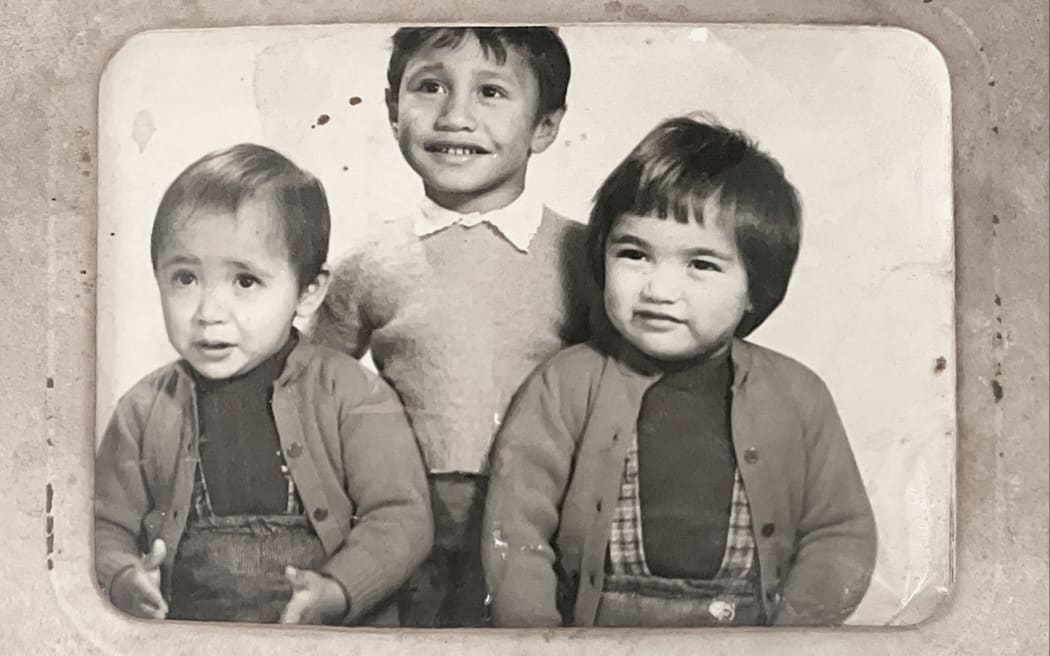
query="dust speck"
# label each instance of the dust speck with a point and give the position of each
(997, 391)
(355, 100)
(940, 364)
(323, 119)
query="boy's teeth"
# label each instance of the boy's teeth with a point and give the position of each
(458, 150)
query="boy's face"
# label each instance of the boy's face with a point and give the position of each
(228, 291)
(467, 124)
(674, 290)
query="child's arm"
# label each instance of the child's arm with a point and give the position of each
(121, 495)
(836, 543)
(531, 464)
(341, 321)
(394, 528)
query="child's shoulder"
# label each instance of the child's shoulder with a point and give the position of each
(784, 374)
(574, 365)
(335, 371)
(561, 226)
(767, 361)
(161, 382)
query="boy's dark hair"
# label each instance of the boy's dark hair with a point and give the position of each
(541, 47)
(223, 180)
(681, 164)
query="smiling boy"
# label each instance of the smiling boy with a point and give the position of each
(461, 300)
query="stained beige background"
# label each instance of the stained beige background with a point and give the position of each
(996, 56)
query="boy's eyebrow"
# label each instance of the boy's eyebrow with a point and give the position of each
(179, 258)
(432, 67)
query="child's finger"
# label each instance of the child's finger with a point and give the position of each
(297, 578)
(293, 610)
(158, 550)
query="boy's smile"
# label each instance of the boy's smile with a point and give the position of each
(674, 290)
(467, 124)
(228, 291)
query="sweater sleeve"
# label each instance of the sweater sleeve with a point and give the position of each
(121, 495)
(393, 529)
(531, 465)
(342, 320)
(836, 539)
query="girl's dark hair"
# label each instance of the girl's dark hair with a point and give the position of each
(676, 169)
(223, 180)
(541, 47)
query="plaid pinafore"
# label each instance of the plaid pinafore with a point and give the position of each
(633, 596)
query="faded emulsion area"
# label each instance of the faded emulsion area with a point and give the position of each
(998, 112)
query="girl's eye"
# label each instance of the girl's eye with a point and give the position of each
(704, 265)
(630, 254)
(183, 278)
(492, 91)
(245, 281)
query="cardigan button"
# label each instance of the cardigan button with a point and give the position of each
(751, 455)
(768, 529)
(295, 450)
(321, 514)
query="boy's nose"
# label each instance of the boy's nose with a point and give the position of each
(457, 113)
(212, 307)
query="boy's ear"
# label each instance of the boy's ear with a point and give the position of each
(310, 298)
(546, 130)
(391, 110)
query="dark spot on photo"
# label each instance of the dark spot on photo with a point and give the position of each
(995, 219)
(997, 391)
(50, 382)
(991, 83)
(49, 497)
(323, 118)
(355, 100)
(346, 168)
(995, 129)
(85, 157)
(940, 364)
(613, 7)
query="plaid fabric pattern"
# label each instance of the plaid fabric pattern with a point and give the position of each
(626, 551)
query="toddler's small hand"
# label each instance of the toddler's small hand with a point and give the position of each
(136, 590)
(316, 599)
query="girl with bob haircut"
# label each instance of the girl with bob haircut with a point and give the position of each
(670, 473)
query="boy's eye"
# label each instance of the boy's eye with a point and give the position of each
(183, 278)
(246, 281)
(493, 91)
(430, 86)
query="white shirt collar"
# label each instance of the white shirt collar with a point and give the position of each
(517, 222)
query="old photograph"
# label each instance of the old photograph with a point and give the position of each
(421, 326)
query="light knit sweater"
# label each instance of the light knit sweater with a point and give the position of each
(456, 320)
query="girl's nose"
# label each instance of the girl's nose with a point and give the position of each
(662, 285)
(457, 112)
